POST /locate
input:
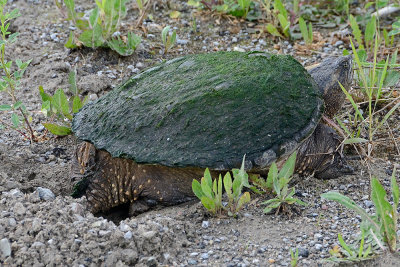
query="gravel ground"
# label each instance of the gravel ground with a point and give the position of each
(40, 225)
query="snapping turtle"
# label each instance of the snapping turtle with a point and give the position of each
(149, 138)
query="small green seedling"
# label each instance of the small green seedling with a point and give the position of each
(294, 257)
(281, 15)
(382, 226)
(168, 40)
(102, 27)
(306, 33)
(20, 119)
(210, 192)
(279, 182)
(59, 107)
(346, 253)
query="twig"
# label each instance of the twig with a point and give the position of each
(143, 12)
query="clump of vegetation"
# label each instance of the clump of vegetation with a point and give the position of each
(61, 109)
(168, 40)
(20, 119)
(237, 8)
(278, 183)
(280, 17)
(102, 28)
(294, 257)
(379, 229)
(210, 192)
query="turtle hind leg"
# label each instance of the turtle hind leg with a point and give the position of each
(319, 155)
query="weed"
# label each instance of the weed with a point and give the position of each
(58, 107)
(281, 15)
(294, 257)
(307, 33)
(102, 28)
(142, 5)
(346, 252)
(381, 227)
(371, 84)
(210, 192)
(9, 82)
(279, 183)
(237, 8)
(168, 40)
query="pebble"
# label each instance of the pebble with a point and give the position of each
(205, 224)
(318, 246)
(192, 262)
(45, 193)
(139, 65)
(303, 252)
(5, 247)
(338, 43)
(368, 203)
(204, 256)
(234, 40)
(19, 209)
(128, 235)
(182, 42)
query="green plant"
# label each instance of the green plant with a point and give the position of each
(10, 79)
(281, 15)
(279, 183)
(371, 84)
(168, 40)
(346, 252)
(142, 5)
(58, 107)
(383, 225)
(210, 192)
(237, 8)
(306, 33)
(294, 257)
(102, 28)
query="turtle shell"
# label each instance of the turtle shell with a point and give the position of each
(206, 110)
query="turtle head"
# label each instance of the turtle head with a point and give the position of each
(328, 74)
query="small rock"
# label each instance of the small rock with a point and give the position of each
(45, 194)
(192, 262)
(204, 256)
(238, 49)
(205, 224)
(128, 235)
(139, 65)
(5, 247)
(318, 246)
(182, 42)
(93, 97)
(152, 262)
(338, 43)
(19, 209)
(318, 236)
(303, 252)
(234, 40)
(368, 203)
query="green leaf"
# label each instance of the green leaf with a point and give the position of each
(72, 82)
(273, 172)
(43, 95)
(288, 168)
(245, 198)
(164, 34)
(395, 189)
(356, 31)
(273, 30)
(278, 5)
(370, 30)
(70, 4)
(244, 177)
(228, 185)
(219, 192)
(384, 211)
(71, 44)
(17, 105)
(5, 107)
(209, 204)
(303, 29)
(196, 187)
(57, 129)
(93, 18)
(236, 187)
(344, 245)
(76, 104)
(206, 188)
(15, 120)
(285, 24)
(207, 177)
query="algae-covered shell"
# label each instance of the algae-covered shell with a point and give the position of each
(206, 110)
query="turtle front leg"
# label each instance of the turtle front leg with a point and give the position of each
(319, 156)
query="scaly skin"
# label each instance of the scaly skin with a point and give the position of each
(108, 182)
